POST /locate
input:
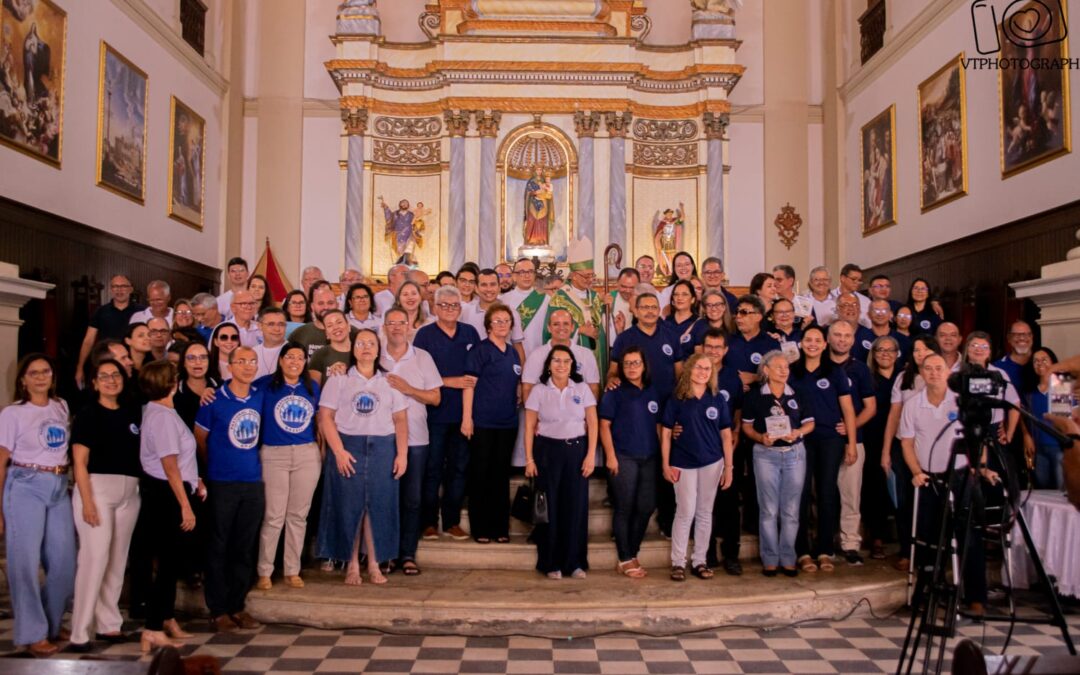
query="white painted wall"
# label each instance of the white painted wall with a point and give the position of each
(991, 200)
(745, 217)
(71, 191)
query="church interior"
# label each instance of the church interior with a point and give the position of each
(911, 141)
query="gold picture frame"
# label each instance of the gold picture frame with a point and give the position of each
(1046, 133)
(122, 125)
(877, 178)
(942, 111)
(39, 130)
(187, 165)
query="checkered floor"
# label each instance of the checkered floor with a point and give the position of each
(850, 646)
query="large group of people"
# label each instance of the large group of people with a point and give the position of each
(357, 424)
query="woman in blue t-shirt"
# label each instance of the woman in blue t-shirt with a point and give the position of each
(630, 451)
(924, 307)
(826, 389)
(697, 462)
(291, 461)
(1048, 471)
(876, 505)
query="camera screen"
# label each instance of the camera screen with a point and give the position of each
(980, 385)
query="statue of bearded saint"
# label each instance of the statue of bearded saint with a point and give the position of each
(404, 230)
(717, 6)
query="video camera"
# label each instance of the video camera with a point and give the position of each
(979, 391)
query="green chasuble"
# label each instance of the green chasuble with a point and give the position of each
(572, 301)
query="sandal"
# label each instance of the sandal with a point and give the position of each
(702, 572)
(877, 551)
(807, 564)
(483, 540)
(825, 563)
(409, 568)
(678, 573)
(630, 568)
(502, 540)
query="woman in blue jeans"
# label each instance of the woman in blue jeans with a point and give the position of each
(36, 516)
(631, 448)
(776, 418)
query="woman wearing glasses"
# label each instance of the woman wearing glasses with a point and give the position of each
(223, 341)
(297, 311)
(105, 457)
(884, 366)
(490, 421)
(361, 307)
(715, 315)
(35, 516)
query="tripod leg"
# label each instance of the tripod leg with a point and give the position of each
(911, 558)
(1051, 591)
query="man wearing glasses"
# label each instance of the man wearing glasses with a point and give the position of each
(881, 317)
(272, 325)
(159, 338)
(712, 276)
(749, 343)
(243, 310)
(881, 289)
(487, 294)
(822, 301)
(528, 302)
(851, 278)
(110, 321)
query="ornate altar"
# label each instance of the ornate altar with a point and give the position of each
(522, 125)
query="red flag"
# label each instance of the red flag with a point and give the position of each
(278, 285)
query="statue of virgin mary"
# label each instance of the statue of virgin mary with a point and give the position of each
(539, 208)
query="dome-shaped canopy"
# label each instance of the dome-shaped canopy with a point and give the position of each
(536, 149)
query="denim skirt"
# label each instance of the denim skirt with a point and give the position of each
(371, 490)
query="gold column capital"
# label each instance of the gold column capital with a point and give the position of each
(487, 123)
(457, 122)
(586, 124)
(356, 121)
(618, 124)
(716, 125)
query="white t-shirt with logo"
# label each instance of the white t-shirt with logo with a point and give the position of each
(586, 364)
(418, 369)
(561, 413)
(363, 407)
(36, 434)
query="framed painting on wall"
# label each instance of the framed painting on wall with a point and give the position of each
(187, 168)
(877, 149)
(32, 51)
(121, 139)
(1033, 102)
(943, 171)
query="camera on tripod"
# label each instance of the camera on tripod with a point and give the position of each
(979, 390)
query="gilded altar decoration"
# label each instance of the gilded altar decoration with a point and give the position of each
(668, 238)
(404, 230)
(187, 168)
(788, 224)
(408, 127)
(665, 130)
(943, 174)
(121, 139)
(407, 154)
(684, 154)
(32, 51)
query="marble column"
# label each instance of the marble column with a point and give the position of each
(457, 124)
(355, 126)
(488, 126)
(715, 135)
(618, 125)
(586, 124)
(14, 293)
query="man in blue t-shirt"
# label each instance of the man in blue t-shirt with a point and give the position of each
(228, 432)
(747, 346)
(661, 347)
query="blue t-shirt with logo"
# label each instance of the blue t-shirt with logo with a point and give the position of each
(232, 446)
(729, 386)
(822, 389)
(634, 414)
(760, 404)
(497, 373)
(745, 355)
(288, 412)
(702, 420)
(662, 351)
(449, 355)
(864, 342)
(862, 384)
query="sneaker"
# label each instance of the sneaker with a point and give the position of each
(578, 574)
(430, 534)
(457, 534)
(733, 567)
(853, 558)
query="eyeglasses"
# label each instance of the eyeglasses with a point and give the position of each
(110, 377)
(1021, 335)
(228, 338)
(979, 348)
(395, 324)
(632, 364)
(712, 273)
(715, 305)
(293, 358)
(360, 298)
(885, 350)
(783, 312)
(561, 362)
(880, 287)
(245, 304)
(273, 324)
(524, 272)
(1042, 362)
(904, 316)
(196, 358)
(854, 280)
(747, 312)
(648, 308)
(367, 344)
(500, 322)
(159, 331)
(47, 372)
(449, 306)
(183, 312)
(245, 362)
(879, 312)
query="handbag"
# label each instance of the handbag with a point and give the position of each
(530, 504)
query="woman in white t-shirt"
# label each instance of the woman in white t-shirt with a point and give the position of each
(36, 516)
(364, 422)
(561, 429)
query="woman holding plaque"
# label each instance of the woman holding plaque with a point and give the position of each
(776, 418)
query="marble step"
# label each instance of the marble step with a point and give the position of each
(501, 603)
(519, 554)
(599, 522)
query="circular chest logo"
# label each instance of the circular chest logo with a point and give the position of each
(244, 429)
(576, 399)
(365, 403)
(925, 324)
(134, 429)
(712, 413)
(725, 394)
(517, 369)
(293, 413)
(53, 435)
(953, 416)
(685, 338)
(755, 358)
(867, 344)
(653, 407)
(667, 350)
(823, 384)
(793, 404)
(468, 347)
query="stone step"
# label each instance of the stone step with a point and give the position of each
(519, 554)
(501, 603)
(599, 523)
(597, 489)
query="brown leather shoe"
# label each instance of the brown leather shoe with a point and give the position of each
(246, 621)
(42, 649)
(457, 533)
(430, 534)
(223, 624)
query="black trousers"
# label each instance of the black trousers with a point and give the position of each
(236, 513)
(933, 500)
(160, 538)
(726, 524)
(489, 482)
(874, 504)
(562, 545)
(633, 498)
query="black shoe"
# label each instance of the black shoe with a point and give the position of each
(853, 558)
(80, 648)
(733, 567)
(112, 639)
(790, 571)
(768, 572)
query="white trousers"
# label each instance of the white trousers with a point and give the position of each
(103, 552)
(290, 474)
(694, 496)
(850, 484)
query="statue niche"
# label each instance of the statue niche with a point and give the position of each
(537, 164)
